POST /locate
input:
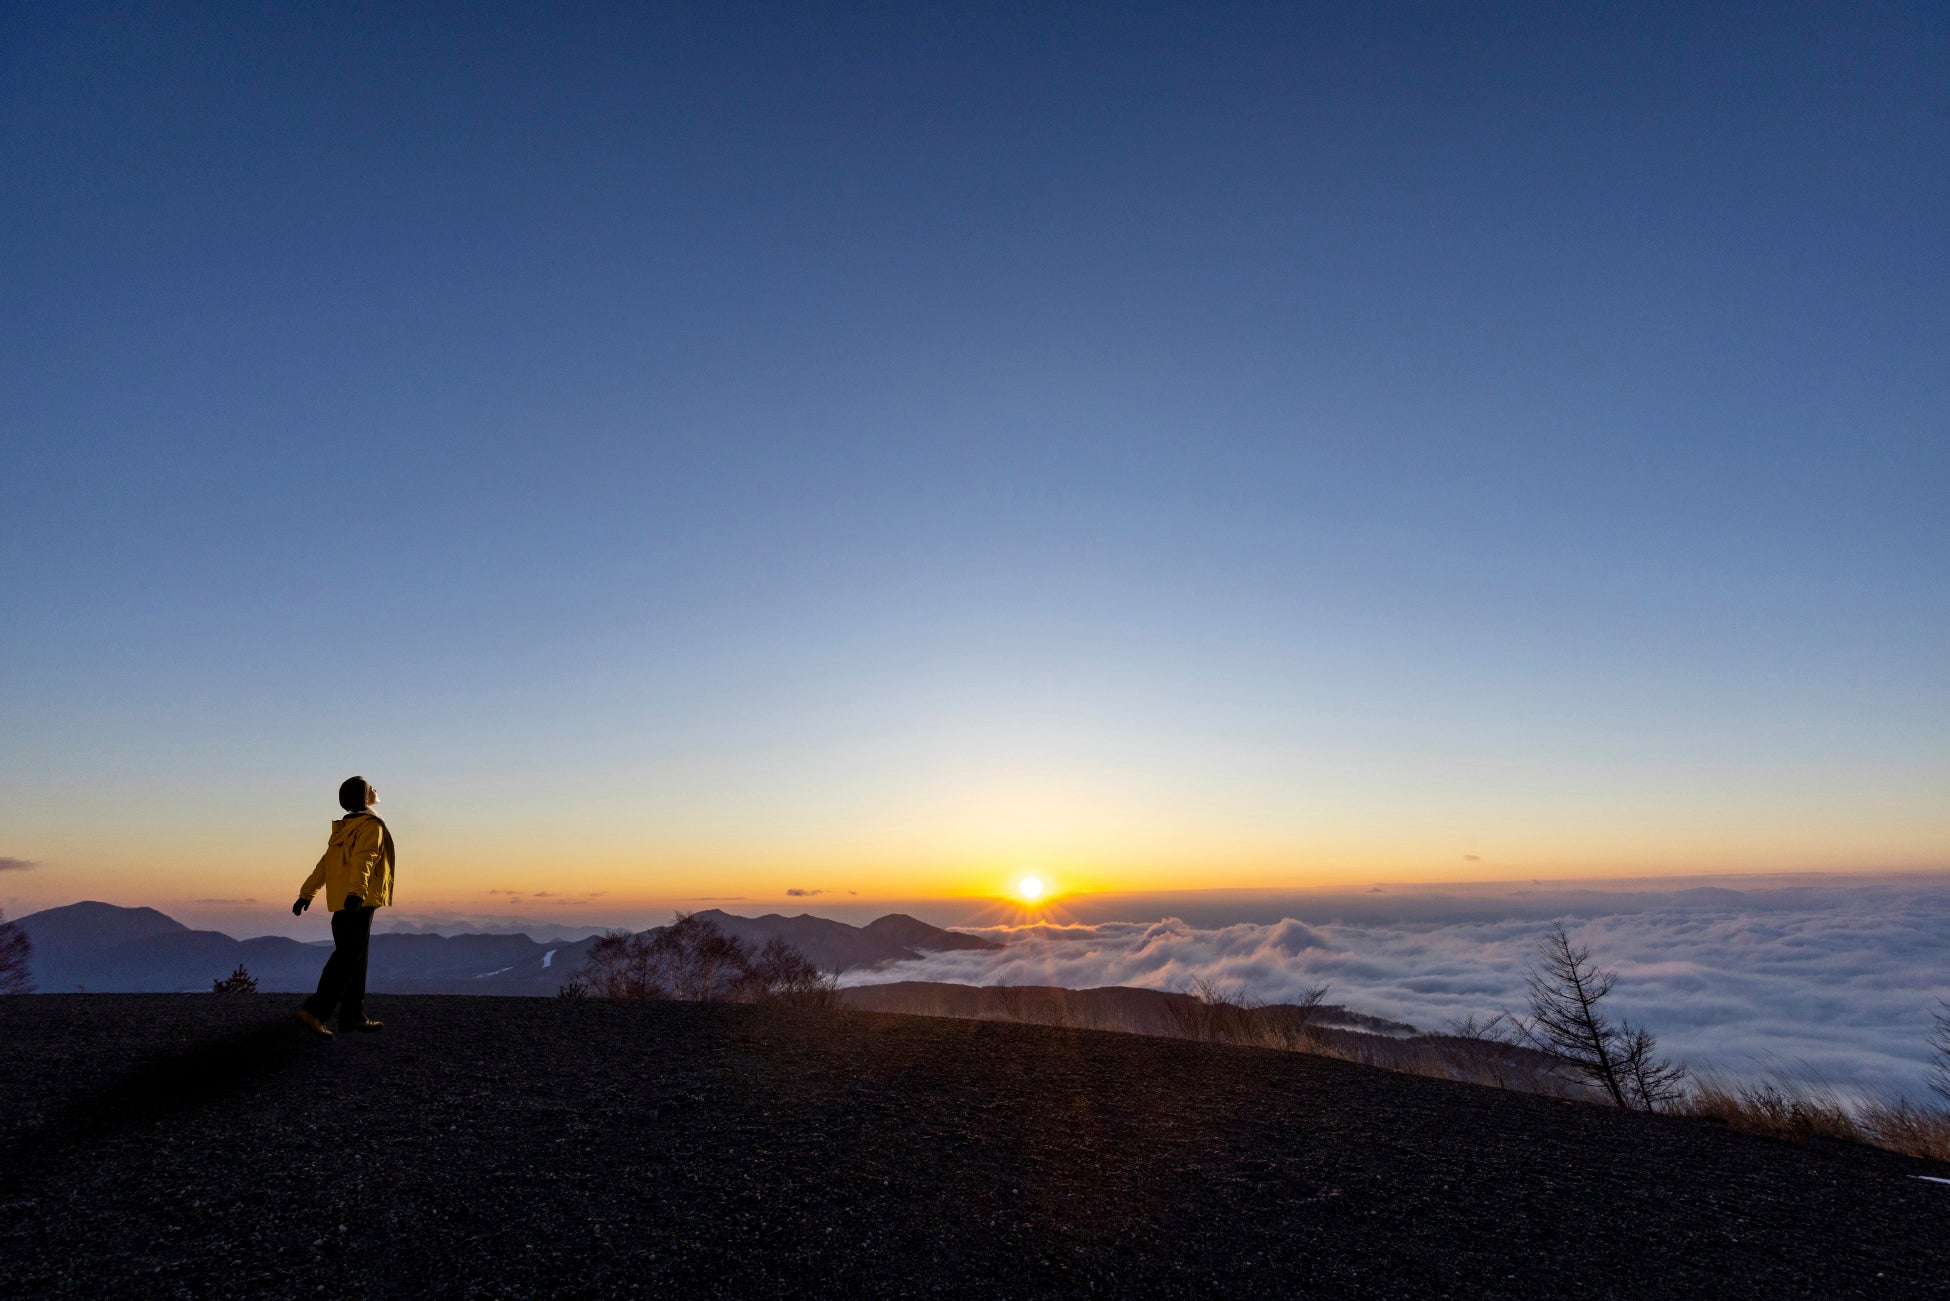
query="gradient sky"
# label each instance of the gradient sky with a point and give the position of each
(722, 450)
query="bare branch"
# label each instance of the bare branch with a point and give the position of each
(1940, 1041)
(1213, 1014)
(15, 950)
(1651, 1081)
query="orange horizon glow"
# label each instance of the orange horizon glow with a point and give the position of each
(1004, 907)
(470, 884)
(588, 857)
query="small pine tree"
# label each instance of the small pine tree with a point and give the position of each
(237, 982)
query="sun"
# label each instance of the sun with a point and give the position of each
(1030, 888)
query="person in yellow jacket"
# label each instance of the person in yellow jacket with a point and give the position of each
(357, 874)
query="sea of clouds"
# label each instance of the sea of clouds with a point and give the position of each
(1838, 980)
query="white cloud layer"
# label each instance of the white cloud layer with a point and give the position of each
(1839, 980)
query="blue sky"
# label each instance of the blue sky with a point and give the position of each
(1197, 444)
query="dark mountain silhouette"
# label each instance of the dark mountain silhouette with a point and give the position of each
(913, 933)
(178, 958)
(835, 946)
(80, 925)
(104, 948)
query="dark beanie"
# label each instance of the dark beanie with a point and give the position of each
(352, 794)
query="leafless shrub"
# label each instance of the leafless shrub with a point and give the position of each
(239, 981)
(15, 950)
(1620, 1060)
(622, 965)
(782, 974)
(1293, 1025)
(1489, 1051)
(572, 988)
(1211, 1013)
(1011, 1004)
(692, 960)
(701, 964)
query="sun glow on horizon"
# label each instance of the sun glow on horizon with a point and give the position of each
(1031, 888)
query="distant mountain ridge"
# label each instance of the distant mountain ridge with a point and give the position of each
(101, 924)
(105, 948)
(835, 946)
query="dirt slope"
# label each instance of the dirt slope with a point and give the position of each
(163, 1145)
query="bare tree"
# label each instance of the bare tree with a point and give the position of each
(780, 973)
(1566, 1022)
(1477, 1049)
(15, 949)
(702, 963)
(693, 960)
(1651, 1081)
(621, 965)
(1940, 1041)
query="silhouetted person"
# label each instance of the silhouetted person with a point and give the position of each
(357, 873)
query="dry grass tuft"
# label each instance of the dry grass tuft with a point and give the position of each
(1781, 1106)
(1801, 1107)
(1906, 1127)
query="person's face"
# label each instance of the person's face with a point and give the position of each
(372, 795)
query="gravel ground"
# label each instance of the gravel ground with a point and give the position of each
(195, 1145)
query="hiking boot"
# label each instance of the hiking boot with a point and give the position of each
(306, 1019)
(362, 1024)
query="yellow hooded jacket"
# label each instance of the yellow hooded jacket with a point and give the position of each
(359, 860)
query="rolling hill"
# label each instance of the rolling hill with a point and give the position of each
(171, 1145)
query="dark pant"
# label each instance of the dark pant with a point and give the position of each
(343, 982)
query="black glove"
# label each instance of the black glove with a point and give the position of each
(298, 909)
(354, 901)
